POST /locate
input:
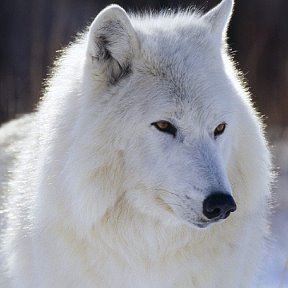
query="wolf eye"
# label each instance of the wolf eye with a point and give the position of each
(219, 129)
(165, 126)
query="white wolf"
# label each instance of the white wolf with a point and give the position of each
(144, 143)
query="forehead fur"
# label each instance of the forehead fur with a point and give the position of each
(165, 36)
(179, 51)
(166, 20)
(178, 46)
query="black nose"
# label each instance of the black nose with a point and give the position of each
(218, 205)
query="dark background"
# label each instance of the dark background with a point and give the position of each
(31, 31)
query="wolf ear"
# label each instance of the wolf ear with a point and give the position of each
(219, 17)
(112, 43)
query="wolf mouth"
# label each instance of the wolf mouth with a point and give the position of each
(202, 223)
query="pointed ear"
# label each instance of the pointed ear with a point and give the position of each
(112, 43)
(219, 17)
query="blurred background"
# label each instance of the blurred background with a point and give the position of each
(32, 31)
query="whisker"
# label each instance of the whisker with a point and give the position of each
(163, 190)
(173, 204)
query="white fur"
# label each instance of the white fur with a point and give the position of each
(98, 197)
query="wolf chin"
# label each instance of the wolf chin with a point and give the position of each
(145, 164)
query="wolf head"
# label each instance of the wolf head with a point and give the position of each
(162, 111)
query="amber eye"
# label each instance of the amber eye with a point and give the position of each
(165, 126)
(219, 129)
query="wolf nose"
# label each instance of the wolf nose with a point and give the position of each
(218, 205)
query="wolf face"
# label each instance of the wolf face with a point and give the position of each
(178, 153)
(167, 88)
